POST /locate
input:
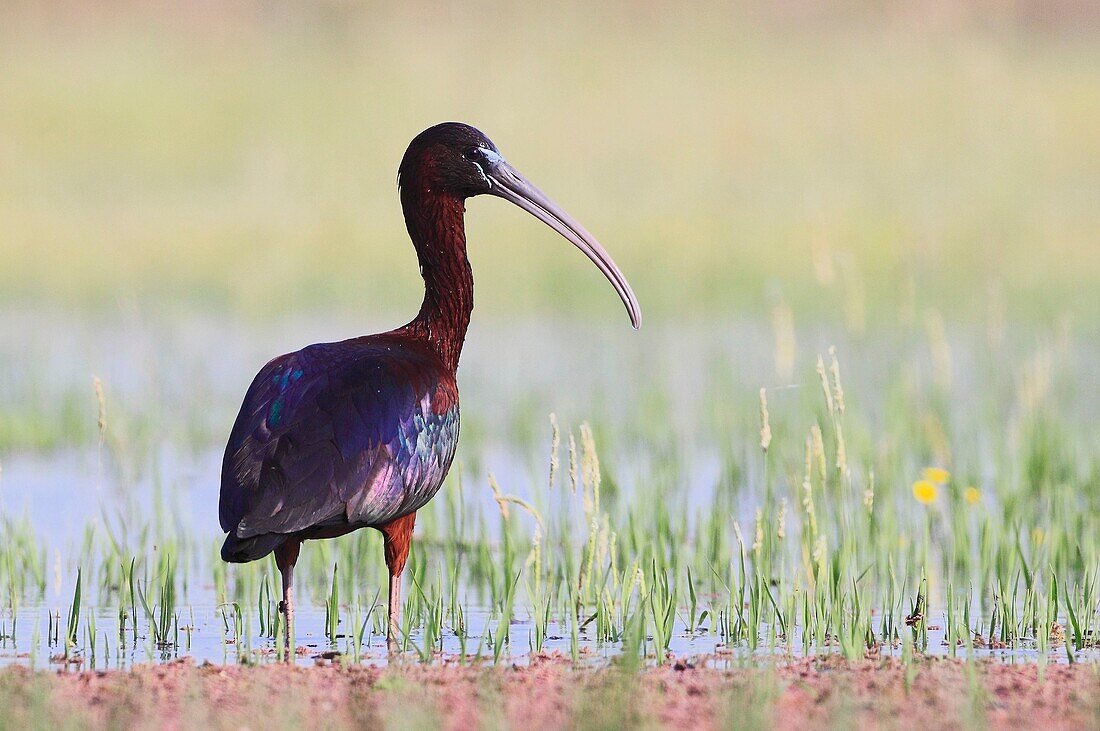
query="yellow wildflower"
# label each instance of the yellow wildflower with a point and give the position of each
(971, 495)
(1037, 536)
(925, 491)
(938, 475)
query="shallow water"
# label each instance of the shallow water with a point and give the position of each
(172, 389)
(207, 640)
(203, 628)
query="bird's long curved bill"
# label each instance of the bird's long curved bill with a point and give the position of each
(507, 183)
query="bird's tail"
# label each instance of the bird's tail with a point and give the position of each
(243, 550)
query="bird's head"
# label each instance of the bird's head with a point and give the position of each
(459, 160)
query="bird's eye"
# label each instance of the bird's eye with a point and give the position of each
(472, 154)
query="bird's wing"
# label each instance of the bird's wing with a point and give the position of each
(338, 433)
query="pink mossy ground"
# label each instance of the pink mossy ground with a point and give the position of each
(550, 694)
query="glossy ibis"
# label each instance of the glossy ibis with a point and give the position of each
(360, 433)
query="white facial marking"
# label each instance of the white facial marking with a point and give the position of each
(486, 178)
(490, 155)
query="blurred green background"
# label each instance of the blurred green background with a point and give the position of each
(866, 161)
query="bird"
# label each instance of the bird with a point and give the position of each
(360, 433)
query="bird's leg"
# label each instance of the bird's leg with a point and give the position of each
(396, 535)
(394, 614)
(286, 556)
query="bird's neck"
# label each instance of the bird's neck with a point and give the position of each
(435, 224)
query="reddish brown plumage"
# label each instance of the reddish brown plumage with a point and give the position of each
(396, 537)
(435, 221)
(286, 555)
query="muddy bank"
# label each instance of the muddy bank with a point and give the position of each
(550, 694)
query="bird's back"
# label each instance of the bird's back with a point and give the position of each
(337, 436)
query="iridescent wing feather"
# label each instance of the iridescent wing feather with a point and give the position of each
(352, 433)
